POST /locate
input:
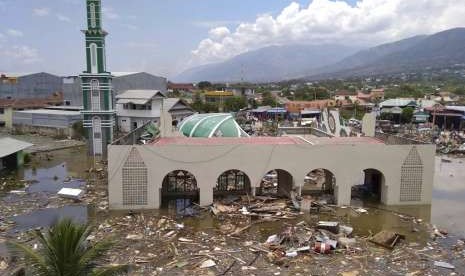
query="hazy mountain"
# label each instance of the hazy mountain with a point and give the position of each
(270, 64)
(330, 61)
(371, 55)
(414, 54)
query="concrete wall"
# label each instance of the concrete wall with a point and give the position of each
(44, 119)
(207, 163)
(45, 131)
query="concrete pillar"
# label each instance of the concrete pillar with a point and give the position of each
(298, 186)
(206, 196)
(253, 190)
(342, 194)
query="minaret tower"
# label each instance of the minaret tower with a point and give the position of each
(99, 115)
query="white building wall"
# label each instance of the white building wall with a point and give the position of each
(207, 163)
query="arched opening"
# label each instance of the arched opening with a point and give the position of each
(276, 182)
(370, 187)
(320, 183)
(232, 182)
(179, 191)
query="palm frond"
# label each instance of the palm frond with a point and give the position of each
(33, 259)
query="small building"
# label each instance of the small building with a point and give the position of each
(183, 88)
(51, 122)
(217, 97)
(298, 106)
(345, 95)
(134, 108)
(11, 153)
(395, 106)
(375, 95)
(9, 106)
(448, 117)
(260, 112)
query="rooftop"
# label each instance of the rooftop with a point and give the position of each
(51, 112)
(398, 102)
(211, 125)
(139, 94)
(9, 146)
(283, 140)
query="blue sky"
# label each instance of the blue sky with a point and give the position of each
(159, 36)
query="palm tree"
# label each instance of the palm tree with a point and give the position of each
(64, 251)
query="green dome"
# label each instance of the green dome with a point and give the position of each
(211, 125)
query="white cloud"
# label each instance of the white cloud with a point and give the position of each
(63, 18)
(22, 53)
(41, 11)
(109, 13)
(368, 22)
(219, 33)
(15, 33)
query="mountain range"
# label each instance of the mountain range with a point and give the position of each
(276, 63)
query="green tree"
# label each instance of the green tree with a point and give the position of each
(407, 114)
(64, 251)
(197, 103)
(268, 99)
(204, 85)
(210, 108)
(235, 104)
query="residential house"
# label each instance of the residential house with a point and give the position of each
(345, 95)
(217, 97)
(183, 88)
(447, 117)
(135, 108)
(298, 106)
(375, 95)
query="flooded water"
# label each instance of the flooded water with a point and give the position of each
(67, 168)
(45, 176)
(448, 208)
(46, 217)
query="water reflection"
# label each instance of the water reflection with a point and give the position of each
(180, 207)
(47, 217)
(448, 208)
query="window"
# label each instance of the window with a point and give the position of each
(95, 94)
(2, 111)
(93, 58)
(93, 17)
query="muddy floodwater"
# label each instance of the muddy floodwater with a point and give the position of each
(67, 168)
(33, 203)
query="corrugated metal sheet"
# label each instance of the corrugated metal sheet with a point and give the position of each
(9, 146)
